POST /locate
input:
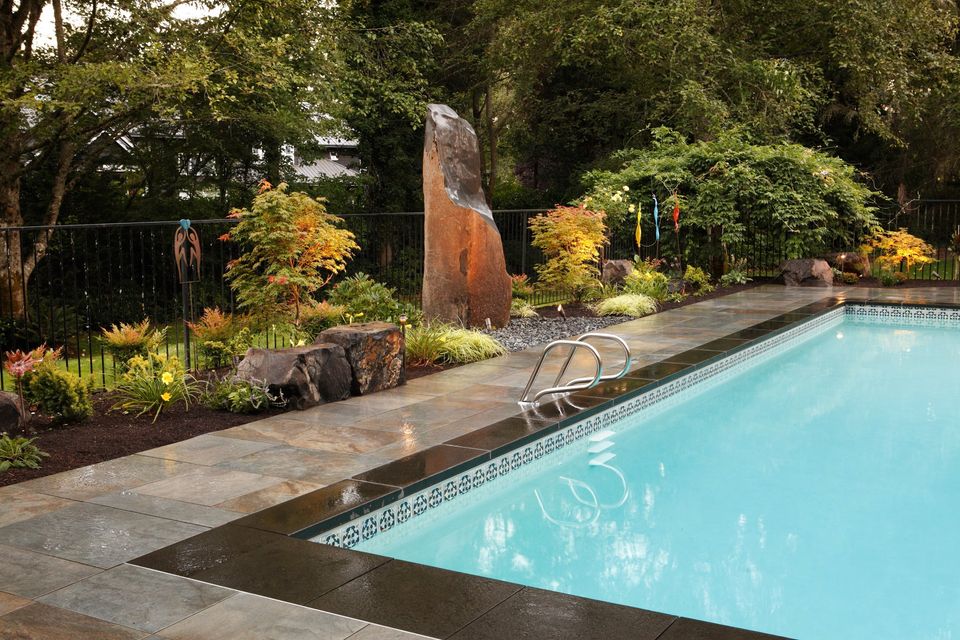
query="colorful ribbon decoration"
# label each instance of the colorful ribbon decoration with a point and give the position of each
(656, 217)
(676, 212)
(638, 232)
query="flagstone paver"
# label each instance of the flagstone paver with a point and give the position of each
(95, 535)
(137, 598)
(58, 532)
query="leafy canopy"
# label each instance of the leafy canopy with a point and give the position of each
(732, 191)
(291, 249)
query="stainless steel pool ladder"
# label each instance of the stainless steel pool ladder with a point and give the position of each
(577, 384)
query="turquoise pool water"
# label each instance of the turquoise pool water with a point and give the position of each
(813, 495)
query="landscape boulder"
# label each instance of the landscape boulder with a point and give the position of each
(616, 271)
(10, 416)
(465, 277)
(850, 262)
(374, 351)
(306, 376)
(806, 272)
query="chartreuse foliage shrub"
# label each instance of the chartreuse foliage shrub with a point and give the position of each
(647, 280)
(291, 249)
(125, 341)
(221, 336)
(700, 280)
(570, 238)
(627, 304)
(19, 453)
(154, 382)
(730, 190)
(897, 249)
(320, 316)
(57, 392)
(439, 343)
(520, 308)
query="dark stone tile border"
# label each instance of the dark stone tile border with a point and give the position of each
(268, 553)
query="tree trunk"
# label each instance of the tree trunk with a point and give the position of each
(492, 141)
(13, 297)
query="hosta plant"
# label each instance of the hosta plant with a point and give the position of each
(19, 453)
(240, 396)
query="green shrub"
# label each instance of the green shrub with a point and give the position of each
(849, 278)
(445, 344)
(887, 279)
(730, 189)
(216, 333)
(124, 341)
(59, 393)
(520, 284)
(19, 453)
(699, 279)
(521, 309)
(153, 383)
(321, 316)
(627, 304)
(239, 396)
(365, 299)
(645, 280)
(736, 273)
(570, 238)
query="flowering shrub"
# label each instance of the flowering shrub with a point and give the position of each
(153, 383)
(18, 364)
(292, 249)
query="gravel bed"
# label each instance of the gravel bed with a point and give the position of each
(528, 332)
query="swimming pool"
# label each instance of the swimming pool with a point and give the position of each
(800, 487)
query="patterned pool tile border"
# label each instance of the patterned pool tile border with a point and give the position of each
(660, 397)
(904, 314)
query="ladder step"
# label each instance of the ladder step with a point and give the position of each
(600, 447)
(601, 435)
(603, 458)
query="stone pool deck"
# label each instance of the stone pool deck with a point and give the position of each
(67, 538)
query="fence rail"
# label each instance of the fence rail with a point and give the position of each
(93, 275)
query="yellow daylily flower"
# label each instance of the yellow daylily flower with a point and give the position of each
(167, 377)
(165, 396)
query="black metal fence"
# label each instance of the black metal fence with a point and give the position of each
(95, 275)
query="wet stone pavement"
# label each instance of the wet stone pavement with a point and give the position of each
(67, 540)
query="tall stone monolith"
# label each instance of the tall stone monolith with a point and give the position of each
(464, 275)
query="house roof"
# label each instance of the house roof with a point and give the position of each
(323, 168)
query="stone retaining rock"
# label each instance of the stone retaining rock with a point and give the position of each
(306, 376)
(806, 272)
(374, 351)
(10, 417)
(616, 271)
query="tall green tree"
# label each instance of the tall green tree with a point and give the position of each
(111, 66)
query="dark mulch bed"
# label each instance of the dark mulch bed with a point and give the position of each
(111, 434)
